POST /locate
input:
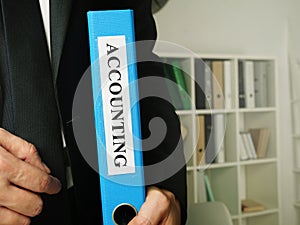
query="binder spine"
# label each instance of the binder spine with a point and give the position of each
(116, 114)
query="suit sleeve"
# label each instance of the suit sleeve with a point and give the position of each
(165, 163)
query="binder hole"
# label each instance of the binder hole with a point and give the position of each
(123, 214)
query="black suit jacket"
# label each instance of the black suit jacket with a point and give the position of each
(25, 68)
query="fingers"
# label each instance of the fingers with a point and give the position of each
(26, 176)
(9, 217)
(21, 149)
(21, 201)
(22, 175)
(160, 208)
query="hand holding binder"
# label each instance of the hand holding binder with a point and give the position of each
(161, 207)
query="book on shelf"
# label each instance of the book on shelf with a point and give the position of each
(241, 85)
(227, 84)
(247, 141)
(248, 82)
(200, 84)
(210, 150)
(214, 138)
(207, 84)
(181, 83)
(249, 205)
(260, 83)
(172, 87)
(217, 84)
(202, 194)
(251, 145)
(184, 132)
(243, 151)
(260, 137)
(213, 84)
(200, 147)
(219, 132)
(209, 192)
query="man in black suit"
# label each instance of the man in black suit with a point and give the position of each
(37, 91)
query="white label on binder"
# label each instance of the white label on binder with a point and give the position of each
(116, 105)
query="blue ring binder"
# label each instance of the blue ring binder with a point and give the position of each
(117, 119)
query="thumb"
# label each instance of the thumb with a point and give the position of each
(155, 209)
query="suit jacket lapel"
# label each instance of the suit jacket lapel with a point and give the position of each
(27, 58)
(29, 83)
(59, 18)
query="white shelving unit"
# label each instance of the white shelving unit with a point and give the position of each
(295, 109)
(234, 179)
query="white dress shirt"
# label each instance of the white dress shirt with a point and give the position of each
(45, 10)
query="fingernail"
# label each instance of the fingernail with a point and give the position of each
(38, 210)
(58, 184)
(54, 186)
(27, 221)
(46, 168)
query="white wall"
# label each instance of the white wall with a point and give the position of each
(294, 37)
(257, 27)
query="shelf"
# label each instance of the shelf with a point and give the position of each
(189, 168)
(295, 101)
(297, 204)
(235, 217)
(297, 170)
(184, 112)
(296, 136)
(265, 109)
(211, 166)
(173, 54)
(216, 166)
(258, 161)
(214, 111)
(205, 111)
(217, 130)
(260, 213)
(225, 56)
